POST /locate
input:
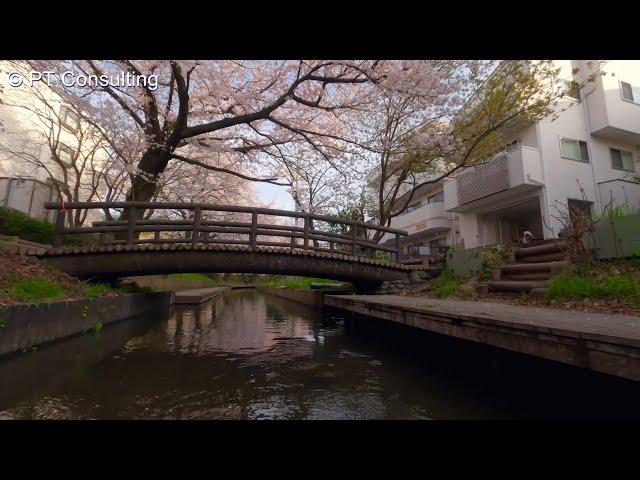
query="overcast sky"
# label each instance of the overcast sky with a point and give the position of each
(272, 193)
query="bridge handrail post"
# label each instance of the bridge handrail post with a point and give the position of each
(307, 227)
(195, 233)
(253, 236)
(397, 247)
(131, 225)
(59, 228)
(354, 238)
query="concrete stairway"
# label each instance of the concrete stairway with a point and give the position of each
(532, 267)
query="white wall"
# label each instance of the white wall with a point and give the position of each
(564, 177)
(606, 106)
(24, 130)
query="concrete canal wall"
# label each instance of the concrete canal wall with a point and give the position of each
(314, 298)
(26, 326)
(199, 295)
(600, 342)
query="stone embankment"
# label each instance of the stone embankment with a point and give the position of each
(418, 281)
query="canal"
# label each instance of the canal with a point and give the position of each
(247, 355)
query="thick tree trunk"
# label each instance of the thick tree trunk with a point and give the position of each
(152, 164)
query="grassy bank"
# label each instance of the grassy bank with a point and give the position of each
(610, 282)
(17, 224)
(606, 286)
(192, 277)
(293, 282)
(217, 279)
(27, 280)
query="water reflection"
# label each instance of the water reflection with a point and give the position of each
(245, 355)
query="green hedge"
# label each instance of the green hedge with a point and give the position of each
(18, 224)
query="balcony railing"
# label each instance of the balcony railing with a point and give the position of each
(484, 180)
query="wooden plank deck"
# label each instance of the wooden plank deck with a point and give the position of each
(600, 342)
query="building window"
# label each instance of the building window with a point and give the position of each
(65, 154)
(70, 119)
(630, 92)
(412, 207)
(574, 149)
(622, 160)
(438, 197)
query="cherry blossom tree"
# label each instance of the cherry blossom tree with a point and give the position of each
(240, 109)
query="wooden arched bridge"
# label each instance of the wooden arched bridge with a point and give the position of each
(193, 237)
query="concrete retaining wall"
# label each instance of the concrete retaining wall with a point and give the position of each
(308, 297)
(25, 326)
(464, 263)
(616, 238)
(314, 298)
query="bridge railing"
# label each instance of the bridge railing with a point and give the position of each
(199, 230)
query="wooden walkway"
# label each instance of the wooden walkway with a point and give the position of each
(600, 342)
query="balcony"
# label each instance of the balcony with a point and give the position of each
(614, 114)
(426, 219)
(505, 175)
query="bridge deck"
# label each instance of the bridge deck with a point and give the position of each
(173, 247)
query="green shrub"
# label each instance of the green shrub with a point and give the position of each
(450, 285)
(574, 287)
(617, 211)
(34, 290)
(20, 225)
(622, 286)
(94, 290)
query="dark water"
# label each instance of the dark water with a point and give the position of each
(246, 355)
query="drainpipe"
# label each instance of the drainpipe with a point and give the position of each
(593, 169)
(33, 191)
(8, 192)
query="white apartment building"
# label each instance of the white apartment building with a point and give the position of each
(33, 121)
(587, 157)
(429, 225)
